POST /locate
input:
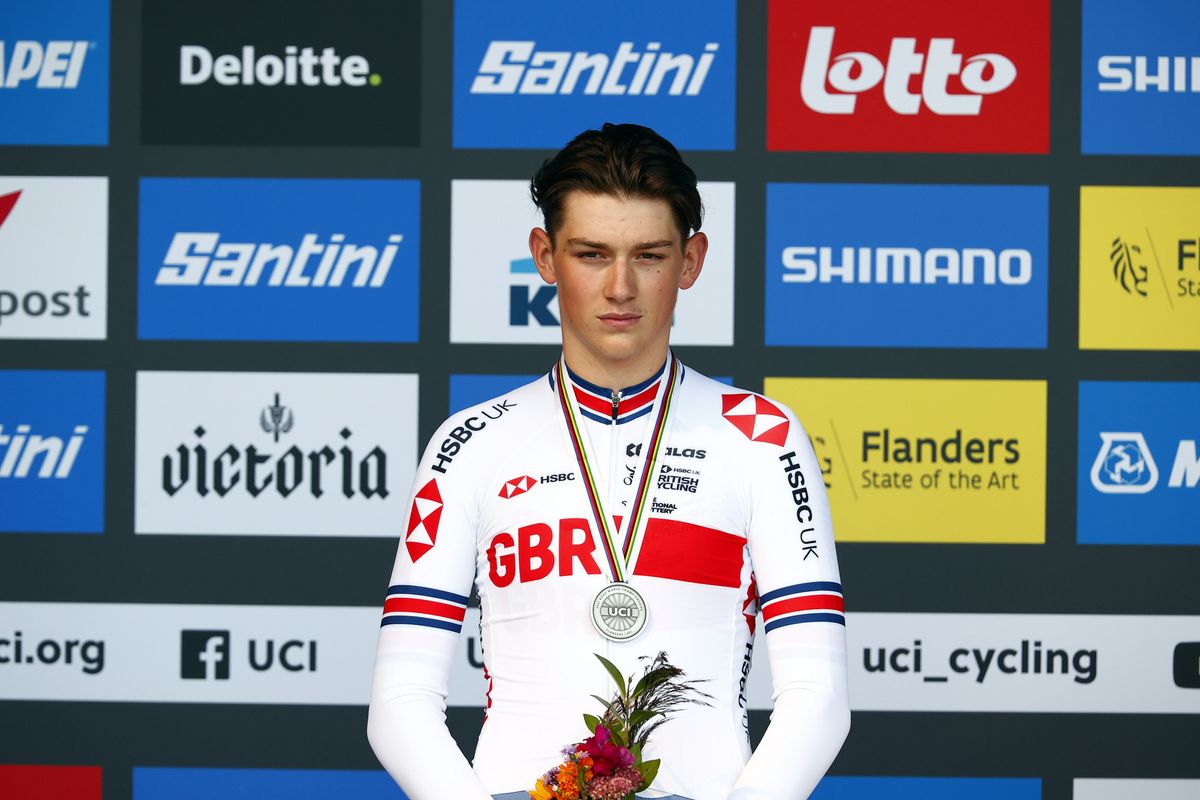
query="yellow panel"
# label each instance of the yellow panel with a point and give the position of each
(927, 460)
(1139, 268)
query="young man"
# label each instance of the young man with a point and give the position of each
(621, 505)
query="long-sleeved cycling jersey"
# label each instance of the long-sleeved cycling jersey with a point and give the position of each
(736, 520)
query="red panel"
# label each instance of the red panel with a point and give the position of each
(879, 83)
(811, 602)
(415, 606)
(682, 551)
(49, 783)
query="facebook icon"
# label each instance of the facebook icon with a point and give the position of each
(204, 655)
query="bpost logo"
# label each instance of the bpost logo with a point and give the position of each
(1141, 77)
(52, 452)
(886, 77)
(274, 453)
(53, 258)
(279, 259)
(1139, 463)
(912, 266)
(222, 72)
(206, 655)
(928, 460)
(497, 295)
(639, 62)
(54, 72)
(1139, 268)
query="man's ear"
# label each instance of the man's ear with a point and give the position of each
(693, 259)
(543, 254)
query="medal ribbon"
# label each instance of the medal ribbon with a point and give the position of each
(618, 561)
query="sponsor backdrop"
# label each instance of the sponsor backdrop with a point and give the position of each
(251, 255)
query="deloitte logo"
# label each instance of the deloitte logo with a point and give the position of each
(298, 66)
(1124, 465)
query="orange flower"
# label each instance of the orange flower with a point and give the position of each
(542, 792)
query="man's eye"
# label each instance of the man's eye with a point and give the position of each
(651, 256)
(590, 256)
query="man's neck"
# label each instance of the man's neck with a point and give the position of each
(615, 377)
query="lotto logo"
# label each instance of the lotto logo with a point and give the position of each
(940, 76)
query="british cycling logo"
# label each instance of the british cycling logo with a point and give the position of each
(423, 521)
(1124, 465)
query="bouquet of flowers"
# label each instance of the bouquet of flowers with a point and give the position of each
(608, 765)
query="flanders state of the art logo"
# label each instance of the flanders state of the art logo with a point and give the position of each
(1139, 268)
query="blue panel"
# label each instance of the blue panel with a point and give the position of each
(279, 260)
(52, 452)
(1139, 471)
(469, 390)
(54, 72)
(863, 788)
(182, 783)
(1141, 90)
(518, 82)
(861, 265)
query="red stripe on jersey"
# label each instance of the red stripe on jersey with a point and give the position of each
(640, 399)
(812, 602)
(681, 551)
(413, 605)
(49, 783)
(590, 401)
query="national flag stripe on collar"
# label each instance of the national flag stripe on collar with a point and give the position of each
(595, 402)
(817, 601)
(420, 605)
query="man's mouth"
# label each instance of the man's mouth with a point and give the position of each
(620, 321)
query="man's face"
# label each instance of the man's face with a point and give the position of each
(618, 264)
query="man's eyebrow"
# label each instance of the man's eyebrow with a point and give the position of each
(652, 245)
(587, 243)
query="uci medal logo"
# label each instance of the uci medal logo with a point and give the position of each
(619, 612)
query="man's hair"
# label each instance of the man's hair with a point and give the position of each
(625, 161)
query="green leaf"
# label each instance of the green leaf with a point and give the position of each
(591, 720)
(606, 703)
(636, 750)
(615, 673)
(649, 771)
(618, 736)
(639, 717)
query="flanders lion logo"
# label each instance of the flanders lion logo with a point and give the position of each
(1128, 270)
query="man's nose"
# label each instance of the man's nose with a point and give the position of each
(621, 285)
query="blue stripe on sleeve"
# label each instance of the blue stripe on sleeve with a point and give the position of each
(799, 588)
(796, 620)
(445, 625)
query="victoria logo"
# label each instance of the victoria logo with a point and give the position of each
(276, 419)
(756, 417)
(1124, 465)
(423, 521)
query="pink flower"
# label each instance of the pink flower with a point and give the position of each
(615, 786)
(606, 756)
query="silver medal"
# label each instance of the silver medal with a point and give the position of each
(619, 612)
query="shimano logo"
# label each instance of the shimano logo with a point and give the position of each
(55, 64)
(1145, 74)
(518, 67)
(298, 66)
(22, 450)
(898, 265)
(193, 259)
(850, 74)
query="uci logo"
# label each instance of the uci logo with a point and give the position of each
(620, 611)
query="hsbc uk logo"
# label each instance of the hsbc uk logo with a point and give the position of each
(851, 73)
(423, 521)
(757, 418)
(516, 487)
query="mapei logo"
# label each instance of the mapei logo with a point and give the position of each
(1141, 78)
(423, 521)
(920, 265)
(1139, 462)
(54, 72)
(515, 487)
(935, 77)
(756, 417)
(266, 257)
(514, 61)
(1139, 268)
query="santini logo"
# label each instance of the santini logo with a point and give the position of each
(56, 64)
(518, 67)
(202, 258)
(22, 449)
(296, 67)
(852, 73)
(1013, 266)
